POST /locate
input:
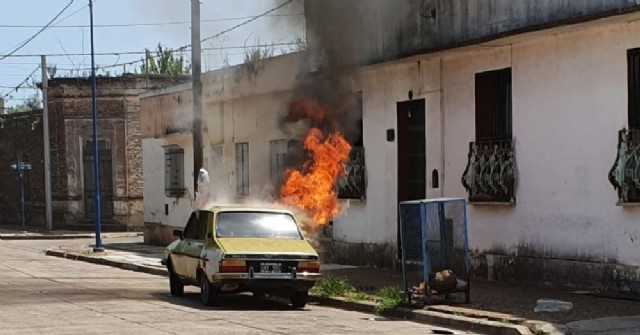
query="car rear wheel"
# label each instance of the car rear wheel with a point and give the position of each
(175, 285)
(299, 299)
(208, 292)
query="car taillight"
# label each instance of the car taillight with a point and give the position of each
(233, 266)
(309, 267)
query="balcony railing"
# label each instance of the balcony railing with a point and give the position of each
(625, 173)
(490, 173)
(352, 185)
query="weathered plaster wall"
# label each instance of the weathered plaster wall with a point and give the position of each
(569, 102)
(241, 104)
(155, 200)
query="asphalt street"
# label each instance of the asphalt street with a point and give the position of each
(47, 295)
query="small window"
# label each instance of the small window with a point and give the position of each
(174, 171)
(242, 168)
(493, 105)
(633, 60)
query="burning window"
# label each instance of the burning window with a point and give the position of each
(353, 185)
(173, 171)
(242, 169)
(280, 154)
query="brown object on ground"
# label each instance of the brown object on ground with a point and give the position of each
(445, 281)
(515, 299)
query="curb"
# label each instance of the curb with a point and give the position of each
(9, 237)
(107, 262)
(433, 318)
(463, 323)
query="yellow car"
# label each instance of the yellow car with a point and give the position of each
(234, 249)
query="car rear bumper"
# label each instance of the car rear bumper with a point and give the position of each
(301, 277)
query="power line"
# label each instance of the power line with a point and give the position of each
(22, 83)
(19, 88)
(152, 24)
(246, 22)
(38, 33)
(181, 49)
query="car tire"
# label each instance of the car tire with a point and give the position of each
(208, 292)
(175, 285)
(259, 294)
(299, 299)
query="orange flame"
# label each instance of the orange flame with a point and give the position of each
(312, 188)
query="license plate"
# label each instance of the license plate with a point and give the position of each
(270, 267)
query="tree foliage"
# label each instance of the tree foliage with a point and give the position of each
(165, 61)
(29, 104)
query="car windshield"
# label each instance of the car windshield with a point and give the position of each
(256, 225)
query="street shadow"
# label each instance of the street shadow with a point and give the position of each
(229, 302)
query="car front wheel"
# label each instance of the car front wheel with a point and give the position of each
(299, 299)
(208, 292)
(175, 285)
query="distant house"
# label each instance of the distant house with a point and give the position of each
(70, 124)
(528, 109)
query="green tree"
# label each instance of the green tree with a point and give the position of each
(165, 61)
(30, 104)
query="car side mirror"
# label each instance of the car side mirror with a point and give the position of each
(177, 233)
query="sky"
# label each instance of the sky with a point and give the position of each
(168, 19)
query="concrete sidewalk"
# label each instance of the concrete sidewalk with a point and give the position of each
(37, 234)
(495, 318)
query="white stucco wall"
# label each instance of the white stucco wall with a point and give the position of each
(569, 102)
(154, 178)
(254, 120)
(241, 104)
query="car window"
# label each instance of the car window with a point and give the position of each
(203, 223)
(256, 225)
(191, 231)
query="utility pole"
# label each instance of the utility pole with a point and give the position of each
(96, 154)
(196, 88)
(47, 151)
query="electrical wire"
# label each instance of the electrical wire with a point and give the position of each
(150, 24)
(240, 24)
(38, 33)
(22, 83)
(181, 49)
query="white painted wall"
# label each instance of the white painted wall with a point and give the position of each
(241, 104)
(253, 120)
(154, 178)
(569, 102)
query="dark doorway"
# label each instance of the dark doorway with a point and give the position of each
(106, 179)
(412, 174)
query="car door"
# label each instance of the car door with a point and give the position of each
(180, 258)
(195, 243)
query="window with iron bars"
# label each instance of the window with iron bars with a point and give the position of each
(174, 171)
(353, 184)
(242, 169)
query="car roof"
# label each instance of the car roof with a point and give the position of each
(217, 208)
